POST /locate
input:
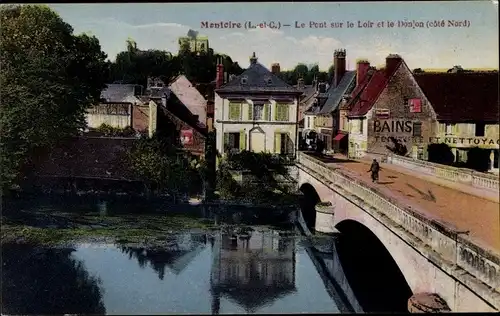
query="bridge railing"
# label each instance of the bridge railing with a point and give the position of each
(481, 263)
(466, 176)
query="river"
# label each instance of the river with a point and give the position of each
(259, 268)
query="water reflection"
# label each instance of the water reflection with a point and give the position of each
(47, 281)
(176, 254)
(251, 267)
(234, 270)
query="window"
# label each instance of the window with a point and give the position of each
(233, 142)
(361, 125)
(283, 143)
(417, 129)
(308, 122)
(449, 128)
(281, 112)
(244, 80)
(258, 109)
(234, 111)
(480, 127)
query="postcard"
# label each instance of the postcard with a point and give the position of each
(268, 157)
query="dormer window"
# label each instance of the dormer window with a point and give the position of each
(244, 80)
(268, 80)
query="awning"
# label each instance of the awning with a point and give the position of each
(339, 136)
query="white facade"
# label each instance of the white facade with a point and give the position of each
(260, 128)
(358, 136)
(116, 115)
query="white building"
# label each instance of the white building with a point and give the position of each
(256, 111)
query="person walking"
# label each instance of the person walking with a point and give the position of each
(374, 169)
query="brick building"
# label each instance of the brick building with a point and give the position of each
(388, 106)
(466, 105)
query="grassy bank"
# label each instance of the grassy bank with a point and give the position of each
(58, 228)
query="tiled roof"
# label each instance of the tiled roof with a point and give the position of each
(335, 94)
(463, 96)
(257, 78)
(365, 94)
(119, 93)
(184, 90)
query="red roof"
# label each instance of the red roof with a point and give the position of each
(365, 95)
(462, 96)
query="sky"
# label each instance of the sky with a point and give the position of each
(158, 26)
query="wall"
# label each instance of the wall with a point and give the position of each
(223, 125)
(116, 115)
(400, 87)
(343, 121)
(433, 258)
(463, 136)
(140, 118)
(309, 122)
(358, 139)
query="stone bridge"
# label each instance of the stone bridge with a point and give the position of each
(417, 256)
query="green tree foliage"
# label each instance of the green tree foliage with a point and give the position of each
(108, 130)
(265, 178)
(307, 73)
(48, 77)
(135, 65)
(164, 168)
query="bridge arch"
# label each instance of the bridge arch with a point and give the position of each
(374, 276)
(308, 201)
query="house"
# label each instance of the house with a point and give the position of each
(306, 102)
(256, 111)
(327, 117)
(122, 106)
(466, 105)
(182, 108)
(252, 270)
(388, 110)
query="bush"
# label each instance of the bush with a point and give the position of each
(259, 172)
(440, 153)
(478, 159)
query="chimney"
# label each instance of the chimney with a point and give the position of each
(391, 62)
(362, 67)
(275, 68)
(300, 83)
(253, 59)
(339, 64)
(219, 78)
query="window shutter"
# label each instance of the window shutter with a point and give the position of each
(238, 112)
(250, 112)
(242, 140)
(286, 112)
(276, 108)
(455, 129)
(277, 142)
(441, 128)
(266, 106)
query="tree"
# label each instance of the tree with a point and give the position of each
(49, 78)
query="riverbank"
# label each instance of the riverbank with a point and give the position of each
(127, 222)
(60, 228)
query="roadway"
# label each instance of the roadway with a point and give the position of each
(477, 216)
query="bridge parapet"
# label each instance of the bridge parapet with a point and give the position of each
(465, 176)
(447, 242)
